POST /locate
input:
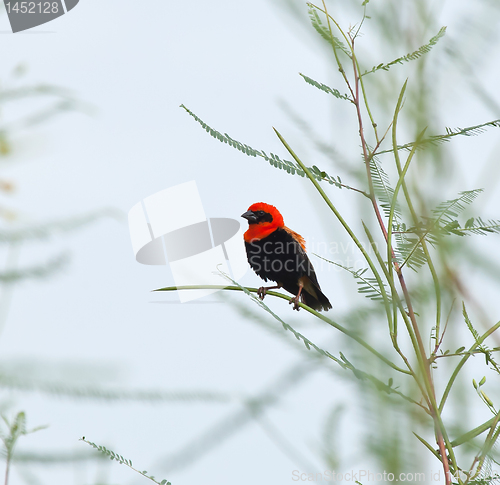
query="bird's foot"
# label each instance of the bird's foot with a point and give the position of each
(262, 291)
(295, 301)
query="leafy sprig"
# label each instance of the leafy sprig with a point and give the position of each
(412, 56)
(123, 461)
(325, 32)
(445, 222)
(436, 140)
(274, 160)
(325, 88)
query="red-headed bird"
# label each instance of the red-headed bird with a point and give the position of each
(277, 253)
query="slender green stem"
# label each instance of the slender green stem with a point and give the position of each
(359, 78)
(409, 202)
(398, 305)
(390, 252)
(473, 433)
(399, 105)
(461, 354)
(330, 205)
(411, 323)
(337, 214)
(330, 322)
(440, 341)
(366, 154)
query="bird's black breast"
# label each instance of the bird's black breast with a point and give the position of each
(279, 257)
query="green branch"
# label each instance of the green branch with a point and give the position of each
(330, 322)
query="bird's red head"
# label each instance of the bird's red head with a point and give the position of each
(263, 219)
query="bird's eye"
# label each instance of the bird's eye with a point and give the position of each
(261, 213)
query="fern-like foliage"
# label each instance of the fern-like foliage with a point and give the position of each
(476, 225)
(450, 209)
(408, 249)
(325, 88)
(15, 429)
(123, 461)
(367, 286)
(274, 160)
(412, 55)
(450, 133)
(383, 189)
(444, 223)
(325, 32)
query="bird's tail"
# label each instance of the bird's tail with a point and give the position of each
(317, 302)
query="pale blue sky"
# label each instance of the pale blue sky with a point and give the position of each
(133, 64)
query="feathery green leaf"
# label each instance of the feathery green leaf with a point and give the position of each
(123, 461)
(478, 226)
(450, 209)
(325, 88)
(411, 56)
(274, 160)
(324, 32)
(409, 248)
(450, 133)
(383, 188)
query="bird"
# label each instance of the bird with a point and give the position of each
(277, 253)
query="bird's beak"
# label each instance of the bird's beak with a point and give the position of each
(249, 216)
